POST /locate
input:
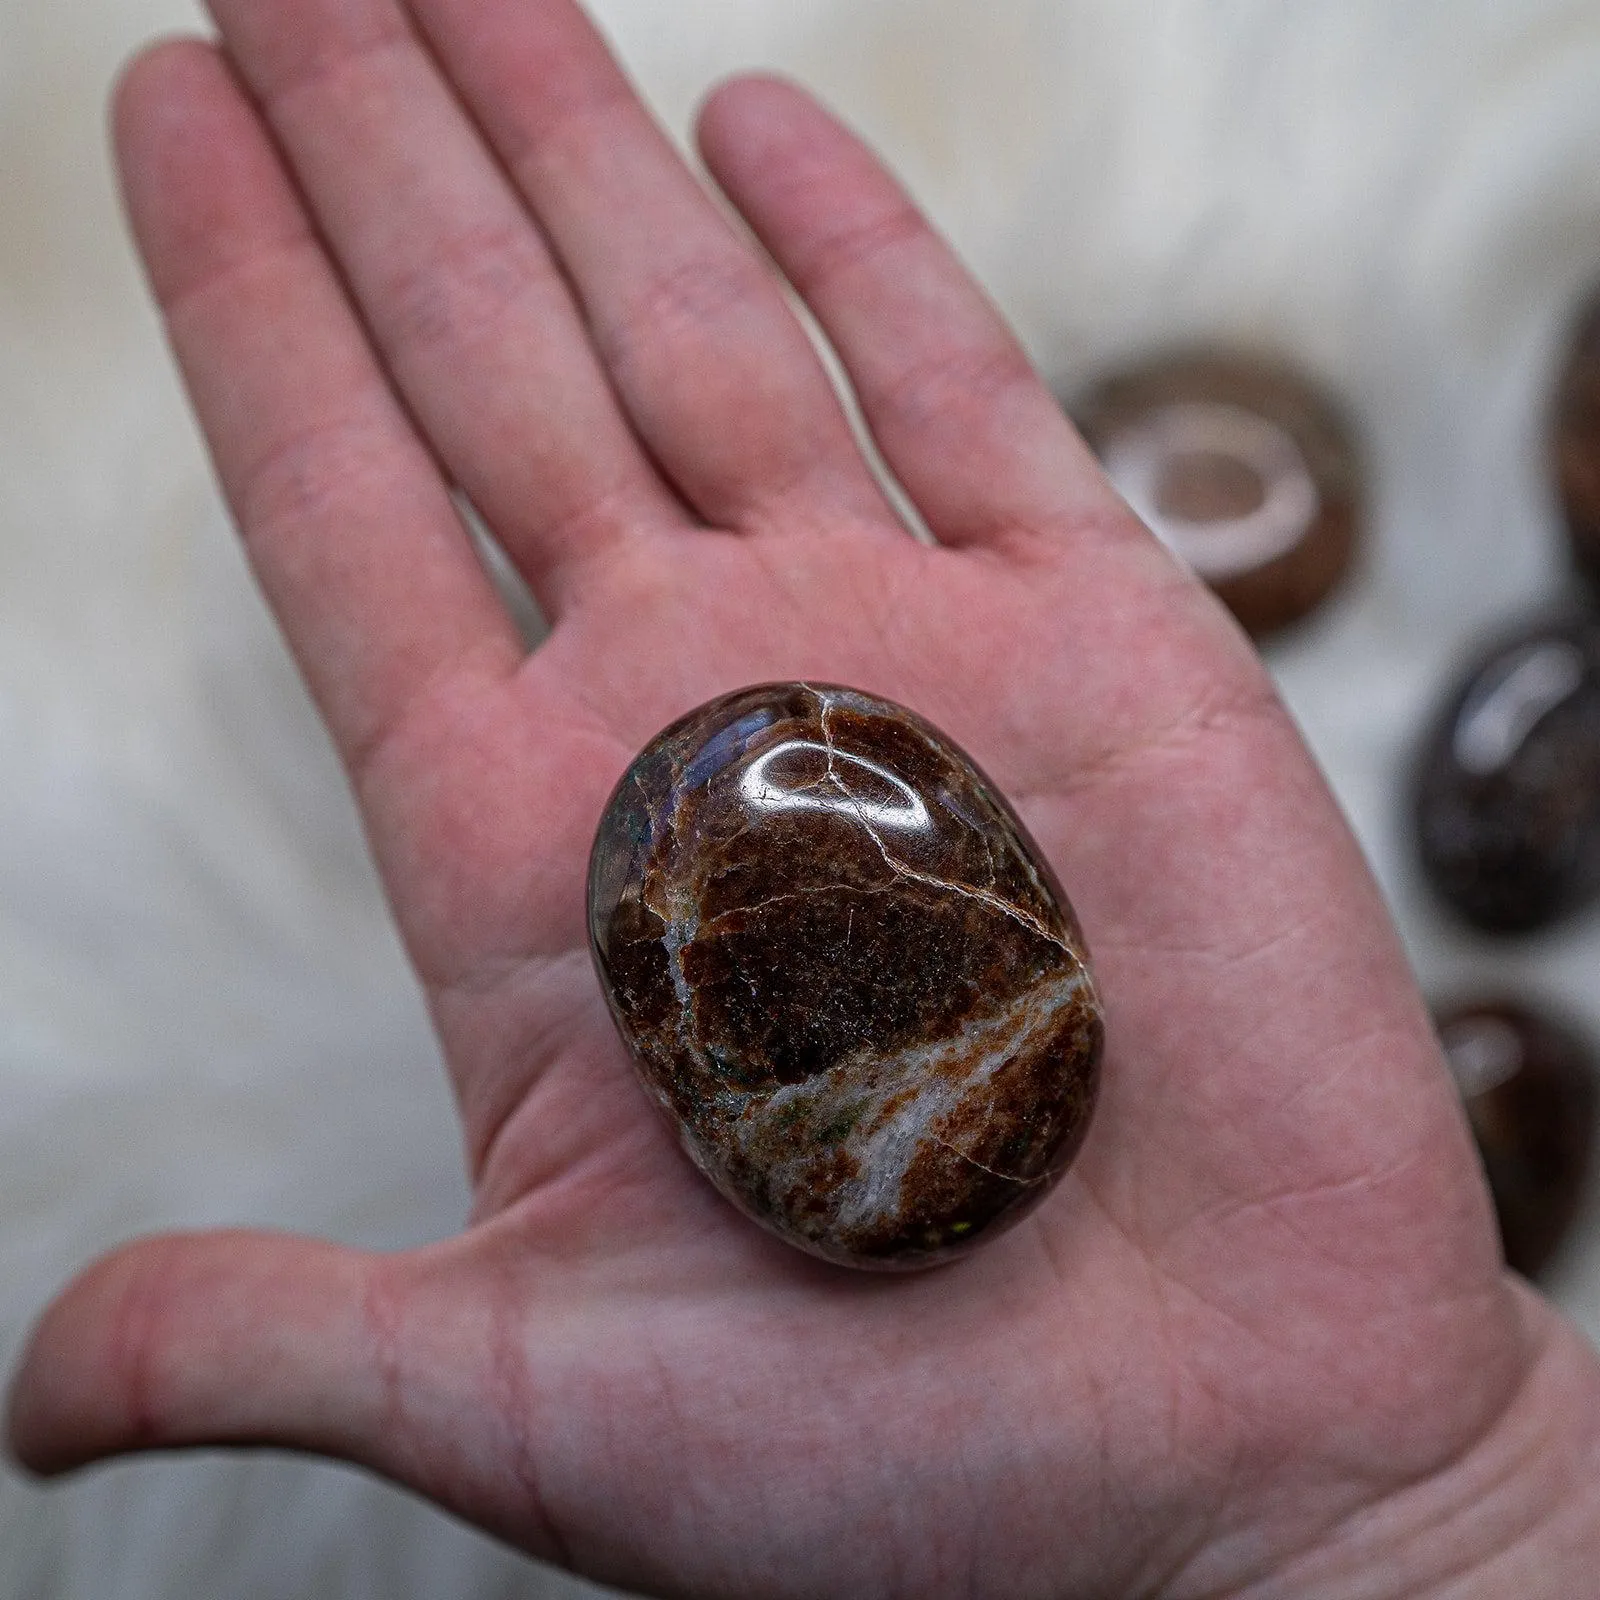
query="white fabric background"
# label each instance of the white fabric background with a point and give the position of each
(203, 1015)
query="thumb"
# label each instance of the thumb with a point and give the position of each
(209, 1338)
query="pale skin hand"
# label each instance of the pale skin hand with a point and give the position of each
(1258, 1342)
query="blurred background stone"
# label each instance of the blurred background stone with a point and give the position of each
(1507, 787)
(1241, 466)
(1528, 1083)
(1575, 441)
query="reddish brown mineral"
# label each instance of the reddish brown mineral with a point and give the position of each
(845, 972)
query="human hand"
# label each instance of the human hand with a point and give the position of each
(1258, 1340)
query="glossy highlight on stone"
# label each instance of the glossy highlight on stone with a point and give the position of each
(1241, 466)
(1528, 1083)
(845, 973)
(1507, 793)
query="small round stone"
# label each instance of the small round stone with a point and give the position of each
(845, 973)
(1528, 1083)
(1507, 793)
(1575, 440)
(1243, 468)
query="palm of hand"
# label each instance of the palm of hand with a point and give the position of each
(1209, 1252)
(1276, 1208)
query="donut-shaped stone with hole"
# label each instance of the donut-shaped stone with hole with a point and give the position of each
(1243, 468)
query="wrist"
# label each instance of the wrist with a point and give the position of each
(1516, 1512)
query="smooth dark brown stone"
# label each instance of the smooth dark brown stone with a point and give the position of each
(1242, 467)
(1528, 1083)
(845, 972)
(1575, 441)
(1507, 794)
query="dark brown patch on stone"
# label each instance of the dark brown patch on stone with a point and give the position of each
(846, 972)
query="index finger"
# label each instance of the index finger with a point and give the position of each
(347, 521)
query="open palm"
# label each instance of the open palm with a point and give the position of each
(1268, 1293)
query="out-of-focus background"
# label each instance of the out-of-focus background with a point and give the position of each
(203, 1015)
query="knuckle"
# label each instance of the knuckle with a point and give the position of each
(140, 1285)
(951, 388)
(309, 477)
(459, 295)
(865, 244)
(320, 60)
(684, 300)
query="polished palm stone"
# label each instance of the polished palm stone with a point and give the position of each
(845, 972)
(1507, 795)
(1528, 1082)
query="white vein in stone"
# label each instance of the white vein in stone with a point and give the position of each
(966, 891)
(884, 1146)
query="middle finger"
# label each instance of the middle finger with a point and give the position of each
(712, 365)
(473, 318)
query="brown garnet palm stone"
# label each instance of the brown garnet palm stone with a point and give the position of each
(845, 972)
